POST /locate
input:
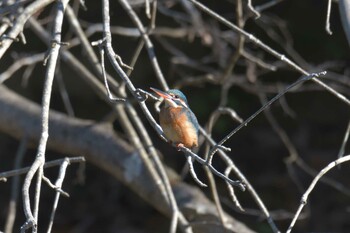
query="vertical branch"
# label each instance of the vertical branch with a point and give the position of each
(328, 25)
(86, 47)
(58, 185)
(212, 120)
(32, 220)
(226, 85)
(40, 174)
(267, 5)
(250, 6)
(64, 94)
(344, 8)
(149, 44)
(153, 15)
(305, 196)
(11, 216)
(345, 140)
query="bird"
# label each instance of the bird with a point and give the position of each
(179, 123)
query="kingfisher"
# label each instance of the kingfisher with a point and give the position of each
(178, 122)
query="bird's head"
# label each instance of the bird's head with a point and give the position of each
(172, 98)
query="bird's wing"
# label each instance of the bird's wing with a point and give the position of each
(194, 121)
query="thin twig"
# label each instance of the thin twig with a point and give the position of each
(258, 61)
(87, 48)
(20, 21)
(58, 185)
(147, 9)
(64, 94)
(212, 120)
(102, 57)
(305, 196)
(54, 186)
(248, 120)
(250, 6)
(19, 63)
(193, 173)
(204, 162)
(345, 140)
(232, 191)
(152, 25)
(267, 5)
(214, 192)
(268, 49)
(328, 25)
(11, 216)
(149, 45)
(53, 163)
(238, 52)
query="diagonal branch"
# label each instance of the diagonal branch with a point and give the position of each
(19, 24)
(268, 49)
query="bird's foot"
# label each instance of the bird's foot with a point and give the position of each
(179, 145)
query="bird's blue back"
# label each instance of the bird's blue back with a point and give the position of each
(188, 111)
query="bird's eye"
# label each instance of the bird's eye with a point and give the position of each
(176, 96)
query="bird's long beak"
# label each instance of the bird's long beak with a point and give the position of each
(161, 93)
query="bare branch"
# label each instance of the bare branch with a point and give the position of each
(328, 25)
(305, 196)
(344, 9)
(345, 141)
(268, 49)
(29, 60)
(39, 162)
(193, 173)
(17, 28)
(102, 56)
(49, 164)
(248, 120)
(250, 6)
(267, 5)
(58, 185)
(149, 44)
(11, 216)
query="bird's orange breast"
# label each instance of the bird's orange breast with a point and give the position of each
(177, 127)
